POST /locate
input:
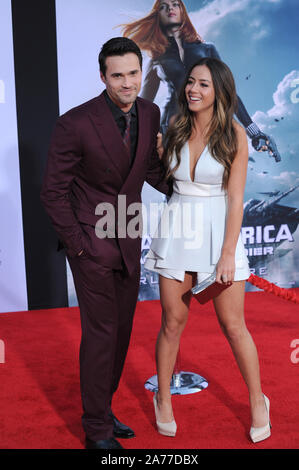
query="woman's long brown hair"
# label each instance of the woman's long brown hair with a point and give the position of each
(221, 135)
(149, 35)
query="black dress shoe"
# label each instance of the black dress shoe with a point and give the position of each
(121, 430)
(103, 444)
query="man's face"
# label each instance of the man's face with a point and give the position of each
(123, 79)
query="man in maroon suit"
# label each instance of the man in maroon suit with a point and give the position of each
(100, 151)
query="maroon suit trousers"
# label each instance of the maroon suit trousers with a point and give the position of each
(107, 299)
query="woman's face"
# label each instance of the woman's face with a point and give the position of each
(170, 13)
(199, 91)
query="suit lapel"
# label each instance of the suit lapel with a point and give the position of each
(110, 136)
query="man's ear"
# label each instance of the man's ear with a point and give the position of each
(103, 77)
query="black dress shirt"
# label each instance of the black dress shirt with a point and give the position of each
(119, 117)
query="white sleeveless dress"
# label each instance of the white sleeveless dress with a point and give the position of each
(191, 230)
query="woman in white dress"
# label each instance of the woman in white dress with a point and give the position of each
(199, 232)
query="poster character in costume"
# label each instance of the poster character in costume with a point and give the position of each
(199, 232)
(173, 44)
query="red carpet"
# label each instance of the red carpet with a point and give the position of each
(40, 399)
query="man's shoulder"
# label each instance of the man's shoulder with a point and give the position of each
(148, 105)
(81, 110)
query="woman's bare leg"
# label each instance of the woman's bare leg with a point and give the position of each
(229, 306)
(175, 300)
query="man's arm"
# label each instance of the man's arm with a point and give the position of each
(156, 173)
(63, 159)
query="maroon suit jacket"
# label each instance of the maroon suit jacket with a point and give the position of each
(88, 164)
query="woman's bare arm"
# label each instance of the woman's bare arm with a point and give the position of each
(235, 195)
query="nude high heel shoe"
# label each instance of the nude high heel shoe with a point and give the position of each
(166, 429)
(261, 433)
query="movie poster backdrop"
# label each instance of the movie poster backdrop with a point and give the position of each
(259, 42)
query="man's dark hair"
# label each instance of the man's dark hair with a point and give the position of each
(118, 46)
